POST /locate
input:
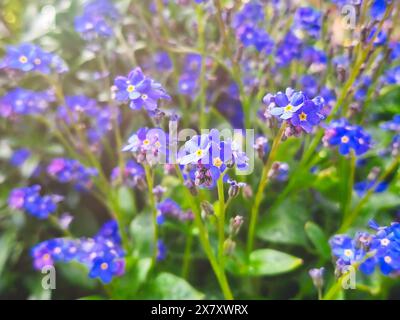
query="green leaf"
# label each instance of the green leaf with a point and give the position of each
(142, 233)
(318, 239)
(285, 224)
(269, 262)
(7, 242)
(126, 201)
(169, 286)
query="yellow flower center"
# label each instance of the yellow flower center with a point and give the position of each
(288, 108)
(199, 152)
(104, 266)
(146, 142)
(144, 96)
(46, 256)
(217, 162)
(348, 253)
(130, 88)
(158, 144)
(23, 59)
(303, 116)
(387, 259)
(37, 61)
(345, 139)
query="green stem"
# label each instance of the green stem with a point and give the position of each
(261, 188)
(152, 203)
(221, 220)
(187, 254)
(205, 242)
(349, 178)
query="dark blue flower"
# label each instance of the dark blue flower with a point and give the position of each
(347, 137)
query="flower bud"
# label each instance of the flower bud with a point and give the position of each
(229, 247)
(235, 225)
(207, 209)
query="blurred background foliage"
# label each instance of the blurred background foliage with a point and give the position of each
(300, 225)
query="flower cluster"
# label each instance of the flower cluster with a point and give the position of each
(209, 157)
(29, 57)
(248, 29)
(21, 101)
(98, 120)
(169, 208)
(347, 137)
(102, 254)
(96, 20)
(148, 145)
(139, 90)
(381, 249)
(133, 174)
(309, 20)
(71, 171)
(294, 106)
(29, 200)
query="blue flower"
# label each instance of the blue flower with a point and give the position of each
(133, 174)
(148, 145)
(96, 20)
(363, 187)
(161, 250)
(347, 137)
(21, 101)
(71, 171)
(105, 268)
(393, 125)
(28, 57)
(139, 90)
(251, 35)
(29, 200)
(284, 105)
(102, 255)
(392, 76)
(19, 157)
(378, 9)
(162, 61)
(307, 116)
(381, 249)
(309, 20)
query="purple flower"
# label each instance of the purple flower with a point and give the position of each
(140, 91)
